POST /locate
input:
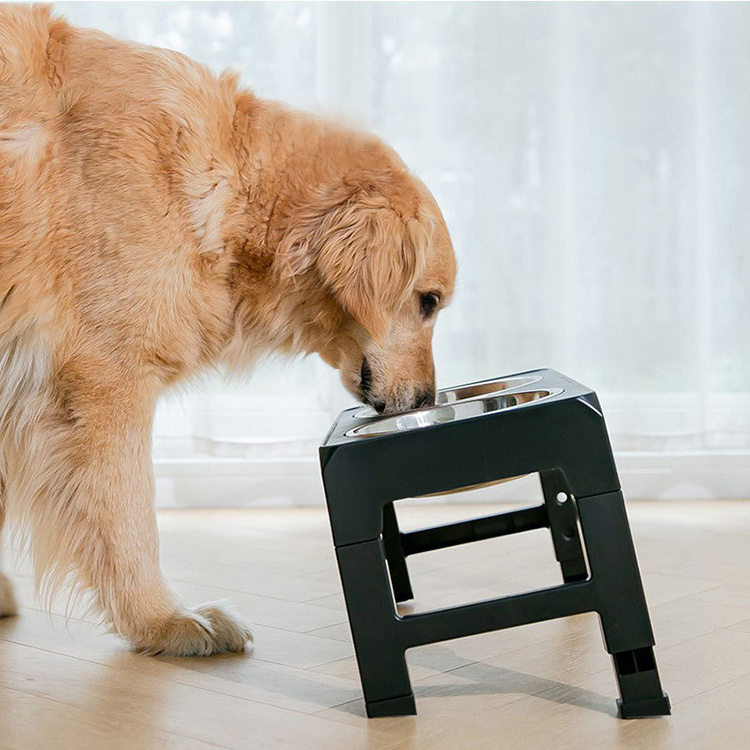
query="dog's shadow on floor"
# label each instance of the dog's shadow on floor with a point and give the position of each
(283, 686)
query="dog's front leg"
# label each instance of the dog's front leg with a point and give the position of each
(8, 605)
(93, 517)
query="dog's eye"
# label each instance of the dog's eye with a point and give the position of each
(428, 303)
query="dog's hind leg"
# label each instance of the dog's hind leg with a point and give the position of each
(93, 519)
(8, 605)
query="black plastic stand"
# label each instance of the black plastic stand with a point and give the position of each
(563, 437)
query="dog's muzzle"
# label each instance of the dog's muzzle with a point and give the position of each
(420, 400)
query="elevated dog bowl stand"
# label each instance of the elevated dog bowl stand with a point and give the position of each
(537, 421)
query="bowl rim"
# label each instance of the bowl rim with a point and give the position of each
(358, 431)
(526, 380)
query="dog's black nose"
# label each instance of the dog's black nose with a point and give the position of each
(378, 405)
(424, 398)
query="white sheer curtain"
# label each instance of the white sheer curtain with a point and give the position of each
(593, 164)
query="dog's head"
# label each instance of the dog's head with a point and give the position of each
(378, 245)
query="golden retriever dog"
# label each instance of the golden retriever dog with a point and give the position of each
(157, 220)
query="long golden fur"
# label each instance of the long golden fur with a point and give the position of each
(156, 220)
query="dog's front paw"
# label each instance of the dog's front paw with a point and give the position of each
(205, 630)
(230, 633)
(8, 604)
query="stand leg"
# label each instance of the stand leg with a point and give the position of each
(622, 605)
(394, 553)
(563, 523)
(372, 618)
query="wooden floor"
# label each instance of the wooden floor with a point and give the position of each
(69, 685)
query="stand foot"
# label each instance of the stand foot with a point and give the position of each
(402, 706)
(644, 709)
(640, 686)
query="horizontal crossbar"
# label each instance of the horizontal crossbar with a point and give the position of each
(497, 614)
(474, 530)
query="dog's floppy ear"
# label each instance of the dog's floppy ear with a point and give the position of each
(367, 254)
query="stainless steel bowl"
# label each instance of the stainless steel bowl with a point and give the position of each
(470, 406)
(464, 393)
